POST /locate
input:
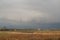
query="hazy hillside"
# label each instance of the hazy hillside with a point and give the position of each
(15, 24)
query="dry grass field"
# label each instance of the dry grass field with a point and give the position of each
(30, 36)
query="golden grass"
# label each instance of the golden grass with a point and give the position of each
(30, 36)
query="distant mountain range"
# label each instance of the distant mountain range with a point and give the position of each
(16, 24)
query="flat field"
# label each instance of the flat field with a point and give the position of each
(55, 35)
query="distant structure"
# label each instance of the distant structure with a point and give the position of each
(38, 29)
(15, 30)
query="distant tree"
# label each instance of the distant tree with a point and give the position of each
(4, 28)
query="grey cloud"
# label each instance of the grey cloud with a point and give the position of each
(48, 9)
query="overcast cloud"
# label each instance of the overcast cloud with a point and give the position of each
(28, 10)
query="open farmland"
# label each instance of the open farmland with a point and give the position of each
(55, 35)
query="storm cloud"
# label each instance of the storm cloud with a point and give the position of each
(29, 10)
